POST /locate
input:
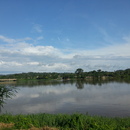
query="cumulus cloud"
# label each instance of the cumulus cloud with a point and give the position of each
(25, 57)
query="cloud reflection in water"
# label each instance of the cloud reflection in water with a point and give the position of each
(111, 99)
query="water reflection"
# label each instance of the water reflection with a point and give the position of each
(79, 84)
(5, 93)
(97, 98)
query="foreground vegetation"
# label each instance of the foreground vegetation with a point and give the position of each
(65, 122)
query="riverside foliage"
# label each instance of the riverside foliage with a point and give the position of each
(79, 73)
(75, 121)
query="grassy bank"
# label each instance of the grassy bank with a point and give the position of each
(63, 122)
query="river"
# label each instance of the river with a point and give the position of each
(111, 98)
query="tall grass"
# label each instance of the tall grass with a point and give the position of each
(66, 122)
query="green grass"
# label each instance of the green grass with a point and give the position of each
(66, 122)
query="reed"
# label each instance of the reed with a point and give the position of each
(75, 121)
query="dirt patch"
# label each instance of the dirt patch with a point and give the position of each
(10, 125)
(44, 128)
(4, 125)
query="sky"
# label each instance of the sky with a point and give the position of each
(63, 35)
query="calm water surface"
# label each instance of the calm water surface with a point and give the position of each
(105, 99)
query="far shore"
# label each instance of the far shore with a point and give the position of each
(7, 80)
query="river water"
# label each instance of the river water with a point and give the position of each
(104, 99)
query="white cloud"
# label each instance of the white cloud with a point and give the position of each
(37, 28)
(5, 64)
(26, 57)
(33, 63)
(40, 38)
(127, 38)
(8, 40)
(24, 39)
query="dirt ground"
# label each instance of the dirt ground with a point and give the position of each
(10, 125)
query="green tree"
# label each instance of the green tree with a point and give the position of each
(79, 72)
(5, 93)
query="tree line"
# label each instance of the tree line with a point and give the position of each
(78, 74)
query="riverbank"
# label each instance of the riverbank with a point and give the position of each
(7, 80)
(78, 74)
(63, 122)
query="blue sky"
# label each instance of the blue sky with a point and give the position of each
(63, 35)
